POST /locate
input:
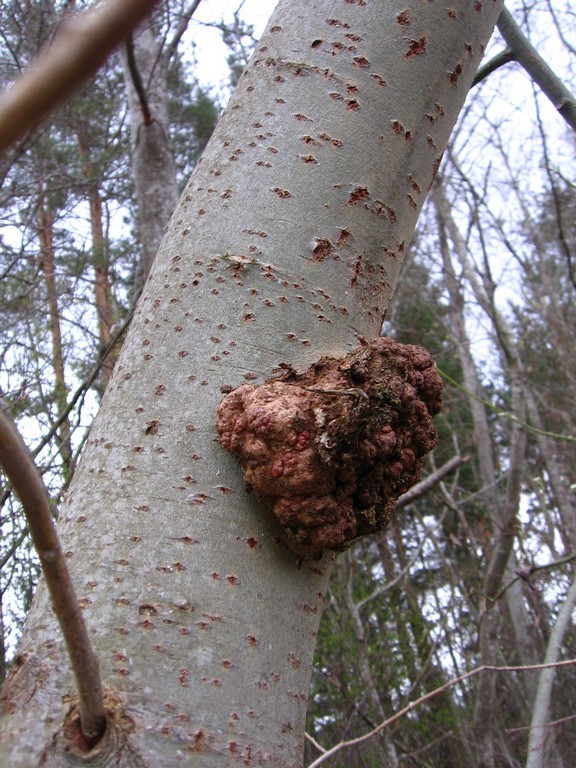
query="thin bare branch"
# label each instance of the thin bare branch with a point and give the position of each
(16, 544)
(313, 741)
(426, 697)
(172, 46)
(549, 724)
(541, 708)
(88, 381)
(412, 756)
(542, 74)
(507, 414)
(497, 61)
(389, 585)
(75, 54)
(524, 576)
(80, 392)
(19, 466)
(429, 482)
(137, 81)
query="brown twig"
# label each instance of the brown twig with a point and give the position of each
(19, 466)
(430, 482)
(426, 697)
(75, 54)
(491, 602)
(137, 81)
(549, 724)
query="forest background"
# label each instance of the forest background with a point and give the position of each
(478, 568)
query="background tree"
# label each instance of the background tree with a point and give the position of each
(470, 254)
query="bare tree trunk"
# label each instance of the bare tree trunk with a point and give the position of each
(152, 160)
(502, 508)
(286, 246)
(559, 482)
(539, 753)
(105, 306)
(486, 460)
(46, 236)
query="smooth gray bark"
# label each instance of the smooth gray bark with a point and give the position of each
(286, 246)
(538, 748)
(153, 164)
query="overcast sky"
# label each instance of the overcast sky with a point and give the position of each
(211, 52)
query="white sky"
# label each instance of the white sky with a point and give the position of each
(211, 52)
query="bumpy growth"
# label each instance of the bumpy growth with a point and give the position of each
(330, 450)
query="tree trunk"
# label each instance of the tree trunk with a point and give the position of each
(285, 247)
(502, 510)
(153, 164)
(540, 753)
(106, 314)
(46, 237)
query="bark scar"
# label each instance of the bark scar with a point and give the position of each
(329, 450)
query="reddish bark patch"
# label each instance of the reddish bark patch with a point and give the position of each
(455, 74)
(381, 209)
(358, 194)
(379, 79)
(69, 747)
(343, 237)
(415, 47)
(322, 249)
(329, 451)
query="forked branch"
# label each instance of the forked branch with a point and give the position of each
(520, 49)
(542, 74)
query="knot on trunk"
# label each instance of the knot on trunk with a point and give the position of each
(330, 450)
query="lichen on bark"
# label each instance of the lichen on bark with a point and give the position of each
(330, 450)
